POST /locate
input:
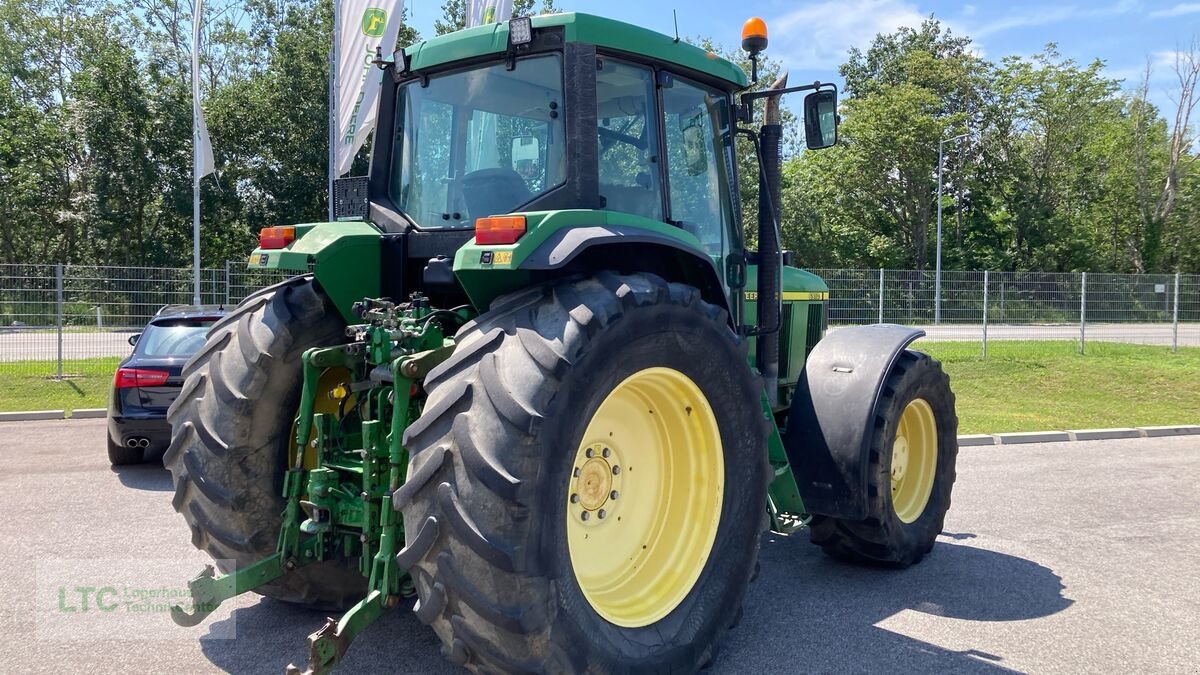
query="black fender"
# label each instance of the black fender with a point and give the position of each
(833, 415)
(630, 249)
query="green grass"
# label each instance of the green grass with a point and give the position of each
(1021, 386)
(31, 385)
(1036, 386)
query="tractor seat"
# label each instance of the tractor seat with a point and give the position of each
(490, 192)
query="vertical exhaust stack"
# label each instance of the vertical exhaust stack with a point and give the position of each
(769, 249)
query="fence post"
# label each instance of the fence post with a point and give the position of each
(1175, 318)
(1082, 312)
(985, 311)
(880, 295)
(58, 302)
(227, 296)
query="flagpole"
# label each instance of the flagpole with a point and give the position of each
(195, 168)
(333, 125)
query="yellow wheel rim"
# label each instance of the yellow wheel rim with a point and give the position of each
(645, 495)
(332, 388)
(914, 460)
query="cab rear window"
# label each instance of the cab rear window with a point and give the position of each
(173, 337)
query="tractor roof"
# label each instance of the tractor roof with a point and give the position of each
(577, 27)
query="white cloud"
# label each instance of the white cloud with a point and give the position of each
(968, 10)
(1178, 10)
(1025, 17)
(820, 33)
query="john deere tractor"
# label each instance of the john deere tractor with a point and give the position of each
(532, 378)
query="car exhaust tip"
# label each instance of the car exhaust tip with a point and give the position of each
(131, 443)
(143, 442)
(137, 442)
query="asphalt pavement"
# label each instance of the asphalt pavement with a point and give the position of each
(1072, 558)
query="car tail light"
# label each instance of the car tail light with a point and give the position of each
(499, 229)
(139, 377)
(276, 237)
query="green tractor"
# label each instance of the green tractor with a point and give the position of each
(532, 377)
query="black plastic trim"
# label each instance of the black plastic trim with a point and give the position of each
(833, 413)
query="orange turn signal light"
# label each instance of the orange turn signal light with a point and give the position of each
(499, 229)
(754, 35)
(276, 237)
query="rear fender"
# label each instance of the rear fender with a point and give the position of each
(833, 414)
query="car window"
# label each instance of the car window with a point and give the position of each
(173, 337)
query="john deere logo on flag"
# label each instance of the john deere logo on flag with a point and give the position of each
(374, 21)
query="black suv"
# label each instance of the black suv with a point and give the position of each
(148, 380)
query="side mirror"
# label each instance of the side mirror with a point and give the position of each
(695, 151)
(820, 119)
(526, 156)
(134, 338)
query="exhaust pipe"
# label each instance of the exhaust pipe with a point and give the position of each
(143, 442)
(131, 443)
(137, 442)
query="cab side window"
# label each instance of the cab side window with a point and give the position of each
(628, 139)
(695, 122)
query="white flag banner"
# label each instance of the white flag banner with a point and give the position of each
(363, 25)
(480, 12)
(202, 152)
(483, 125)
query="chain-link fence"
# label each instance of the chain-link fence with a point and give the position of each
(64, 319)
(1159, 309)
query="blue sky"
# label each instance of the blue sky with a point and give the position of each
(811, 37)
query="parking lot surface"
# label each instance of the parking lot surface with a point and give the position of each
(1072, 557)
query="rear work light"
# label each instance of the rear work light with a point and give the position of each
(499, 229)
(276, 237)
(139, 377)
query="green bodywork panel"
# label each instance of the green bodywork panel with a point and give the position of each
(577, 27)
(485, 281)
(801, 290)
(344, 257)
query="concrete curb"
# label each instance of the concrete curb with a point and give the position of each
(1032, 437)
(1104, 434)
(38, 415)
(1077, 435)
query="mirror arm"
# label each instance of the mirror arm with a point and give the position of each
(751, 96)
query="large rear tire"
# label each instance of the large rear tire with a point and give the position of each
(231, 426)
(914, 446)
(584, 443)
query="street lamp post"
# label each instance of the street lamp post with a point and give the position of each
(937, 277)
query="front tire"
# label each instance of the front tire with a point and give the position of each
(914, 446)
(547, 383)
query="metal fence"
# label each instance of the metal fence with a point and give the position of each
(62, 319)
(1158, 309)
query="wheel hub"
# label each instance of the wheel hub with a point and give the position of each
(644, 497)
(595, 484)
(914, 460)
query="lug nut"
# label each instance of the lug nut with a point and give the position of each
(614, 494)
(602, 513)
(607, 452)
(616, 469)
(589, 453)
(574, 499)
(585, 515)
(577, 472)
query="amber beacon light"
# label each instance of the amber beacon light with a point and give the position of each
(754, 35)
